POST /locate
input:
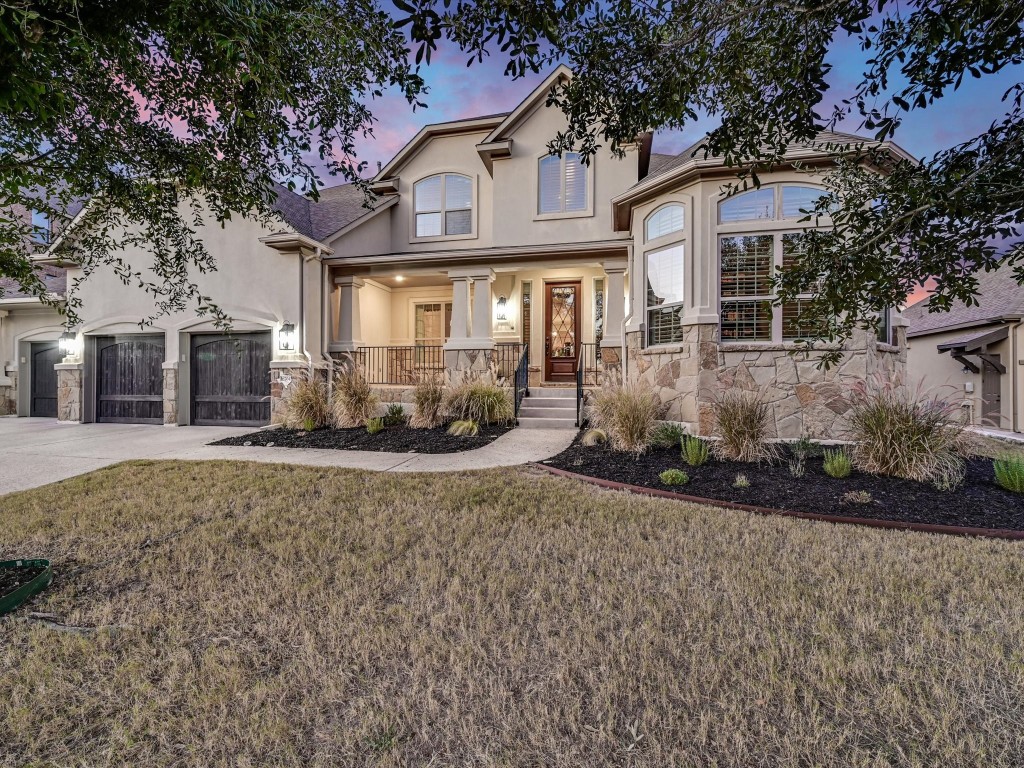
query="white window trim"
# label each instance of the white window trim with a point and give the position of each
(416, 303)
(472, 235)
(585, 213)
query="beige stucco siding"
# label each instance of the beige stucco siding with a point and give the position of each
(22, 324)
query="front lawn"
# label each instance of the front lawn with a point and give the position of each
(250, 614)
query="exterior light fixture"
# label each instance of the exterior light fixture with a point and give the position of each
(502, 301)
(399, 278)
(68, 344)
(286, 337)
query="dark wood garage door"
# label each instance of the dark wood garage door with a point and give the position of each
(129, 379)
(44, 379)
(231, 380)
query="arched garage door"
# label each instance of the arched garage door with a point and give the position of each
(231, 380)
(129, 379)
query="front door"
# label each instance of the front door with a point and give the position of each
(991, 394)
(44, 379)
(562, 330)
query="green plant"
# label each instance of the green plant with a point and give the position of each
(837, 463)
(797, 466)
(307, 402)
(464, 428)
(674, 477)
(395, 414)
(857, 497)
(483, 403)
(695, 450)
(375, 425)
(742, 422)
(594, 436)
(805, 448)
(908, 433)
(627, 414)
(741, 481)
(668, 434)
(428, 404)
(1009, 471)
(354, 400)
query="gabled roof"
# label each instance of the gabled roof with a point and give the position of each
(54, 278)
(1000, 298)
(504, 130)
(337, 208)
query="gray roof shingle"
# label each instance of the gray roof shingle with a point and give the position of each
(999, 296)
(337, 207)
(54, 278)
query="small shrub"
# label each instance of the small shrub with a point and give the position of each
(837, 463)
(395, 415)
(695, 450)
(627, 415)
(375, 425)
(857, 497)
(908, 433)
(668, 434)
(797, 466)
(479, 402)
(428, 405)
(741, 481)
(594, 436)
(307, 404)
(805, 448)
(354, 400)
(674, 477)
(742, 420)
(464, 428)
(1009, 471)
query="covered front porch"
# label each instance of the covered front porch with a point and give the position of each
(551, 319)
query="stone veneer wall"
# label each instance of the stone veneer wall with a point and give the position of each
(281, 377)
(171, 396)
(466, 365)
(9, 395)
(69, 391)
(805, 400)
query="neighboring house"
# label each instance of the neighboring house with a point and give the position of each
(482, 248)
(974, 353)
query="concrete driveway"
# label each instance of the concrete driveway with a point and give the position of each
(35, 452)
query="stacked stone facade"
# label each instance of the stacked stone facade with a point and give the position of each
(9, 394)
(805, 399)
(462, 366)
(69, 391)
(281, 377)
(171, 394)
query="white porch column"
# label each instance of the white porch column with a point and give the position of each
(471, 325)
(460, 311)
(482, 310)
(614, 302)
(350, 331)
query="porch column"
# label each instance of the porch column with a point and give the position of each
(460, 311)
(482, 309)
(471, 325)
(614, 303)
(350, 330)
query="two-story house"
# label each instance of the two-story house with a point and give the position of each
(479, 249)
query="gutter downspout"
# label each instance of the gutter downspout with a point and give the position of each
(326, 319)
(1015, 365)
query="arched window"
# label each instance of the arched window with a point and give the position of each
(444, 205)
(748, 206)
(796, 199)
(665, 221)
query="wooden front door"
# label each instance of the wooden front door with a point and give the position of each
(231, 380)
(991, 394)
(44, 379)
(130, 379)
(562, 330)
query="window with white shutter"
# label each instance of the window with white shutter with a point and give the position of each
(562, 184)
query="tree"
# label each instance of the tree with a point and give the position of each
(164, 115)
(761, 68)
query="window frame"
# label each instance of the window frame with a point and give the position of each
(586, 211)
(776, 218)
(446, 308)
(41, 235)
(680, 237)
(443, 210)
(668, 236)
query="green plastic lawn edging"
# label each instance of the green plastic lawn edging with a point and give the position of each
(12, 600)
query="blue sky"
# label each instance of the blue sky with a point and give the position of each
(457, 92)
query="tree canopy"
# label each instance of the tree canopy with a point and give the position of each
(762, 70)
(168, 114)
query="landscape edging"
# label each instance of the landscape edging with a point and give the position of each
(869, 522)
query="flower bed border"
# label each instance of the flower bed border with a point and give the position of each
(869, 522)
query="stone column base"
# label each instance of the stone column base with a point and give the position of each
(610, 367)
(9, 393)
(171, 394)
(69, 391)
(282, 376)
(462, 366)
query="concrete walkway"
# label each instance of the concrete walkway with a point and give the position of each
(998, 434)
(35, 452)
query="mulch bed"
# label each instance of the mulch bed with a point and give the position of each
(13, 578)
(395, 439)
(978, 503)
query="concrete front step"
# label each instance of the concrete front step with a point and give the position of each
(549, 402)
(553, 392)
(529, 410)
(528, 422)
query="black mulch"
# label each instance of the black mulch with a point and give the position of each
(978, 503)
(395, 439)
(15, 577)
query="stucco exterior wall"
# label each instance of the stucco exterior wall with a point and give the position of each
(375, 314)
(19, 327)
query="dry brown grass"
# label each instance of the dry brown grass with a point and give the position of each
(306, 617)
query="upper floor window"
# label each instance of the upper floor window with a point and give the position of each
(783, 201)
(443, 205)
(562, 184)
(665, 221)
(40, 227)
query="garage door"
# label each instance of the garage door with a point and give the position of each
(129, 379)
(231, 380)
(44, 379)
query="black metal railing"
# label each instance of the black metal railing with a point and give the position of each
(590, 360)
(506, 359)
(400, 365)
(522, 378)
(579, 391)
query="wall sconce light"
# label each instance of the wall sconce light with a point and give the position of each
(68, 344)
(286, 337)
(502, 301)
